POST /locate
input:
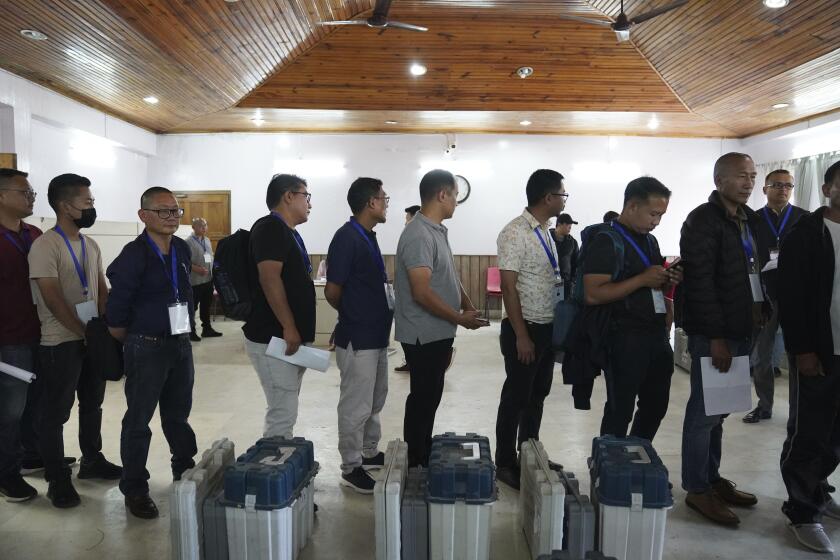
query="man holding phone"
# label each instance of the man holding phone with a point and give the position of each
(640, 359)
(532, 285)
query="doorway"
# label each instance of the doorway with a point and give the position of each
(213, 206)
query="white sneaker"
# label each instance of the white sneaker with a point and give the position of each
(832, 509)
(812, 536)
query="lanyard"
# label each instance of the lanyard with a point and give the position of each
(202, 240)
(747, 243)
(27, 240)
(625, 235)
(777, 232)
(173, 259)
(80, 270)
(550, 254)
(299, 241)
(377, 254)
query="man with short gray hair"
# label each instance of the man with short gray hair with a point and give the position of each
(201, 276)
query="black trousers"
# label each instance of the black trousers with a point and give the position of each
(203, 298)
(525, 388)
(640, 367)
(427, 365)
(157, 370)
(64, 374)
(811, 452)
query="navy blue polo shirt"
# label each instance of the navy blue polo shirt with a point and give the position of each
(141, 290)
(363, 315)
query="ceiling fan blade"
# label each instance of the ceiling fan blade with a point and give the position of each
(658, 11)
(406, 26)
(344, 22)
(382, 7)
(593, 21)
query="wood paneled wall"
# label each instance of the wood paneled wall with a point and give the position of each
(471, 268)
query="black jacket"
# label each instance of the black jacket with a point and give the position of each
(715, 299)
(567, 257)
(806, 278)
(768, 239)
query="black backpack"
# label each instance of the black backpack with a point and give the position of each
(231, 274)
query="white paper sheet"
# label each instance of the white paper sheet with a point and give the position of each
(16, 372)
(724, 393)
(306, 356)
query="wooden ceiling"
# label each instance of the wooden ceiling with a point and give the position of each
(711, 68)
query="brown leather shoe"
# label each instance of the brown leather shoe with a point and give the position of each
(709, 505)
(727, 492)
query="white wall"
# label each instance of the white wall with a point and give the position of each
(597, 170)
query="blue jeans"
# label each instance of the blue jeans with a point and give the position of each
(702, 434)
(157, 370)
(12, 403)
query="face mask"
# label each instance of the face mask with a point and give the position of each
(87, 218)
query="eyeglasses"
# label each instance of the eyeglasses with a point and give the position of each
(166, 213)
(306, 194)
(387, 199)
(28, 193)
(564, 195)
(786, 186)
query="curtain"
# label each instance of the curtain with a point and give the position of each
(807, 176)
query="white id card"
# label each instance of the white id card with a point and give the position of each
(179, 318)
(208, 258)
(558, 294)
(755, 286)
(86, 311)
(389, 295)
(658, 301)
(774, 254)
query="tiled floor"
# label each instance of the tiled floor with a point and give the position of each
(229, 402)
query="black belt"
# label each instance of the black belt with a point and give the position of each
(159, 338)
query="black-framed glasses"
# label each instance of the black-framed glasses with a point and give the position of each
(166, 213)
(28, 193)
(564, 195)
(306, 194)
(779, 185)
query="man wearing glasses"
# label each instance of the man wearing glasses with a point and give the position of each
(357, 286)
(149, 310)
(19, 331)
(777, 219)
(283, 299)
(532, 285)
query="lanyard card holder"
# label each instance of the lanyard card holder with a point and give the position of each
(658, 301)
(86, 311)
(389, 295)
(755, 286)
(179, 318)
(558, 294)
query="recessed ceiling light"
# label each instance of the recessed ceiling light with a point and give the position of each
(775, 4)
(151, 100)
(524, 71)
(525, 123)
(781, 106)
(653, 123)
(32, 34)
(259, 121)
(391, 122)
(417, 69)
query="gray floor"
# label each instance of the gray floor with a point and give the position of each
(229, 402)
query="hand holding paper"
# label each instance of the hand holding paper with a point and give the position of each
(724, 393)
(306, 356)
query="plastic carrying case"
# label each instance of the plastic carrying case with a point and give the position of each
(542, 498)
(269, 499)
(630, 488)
(460, 490)
(387, 495)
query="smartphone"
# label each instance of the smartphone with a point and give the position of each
(676, 264)
(484, 322)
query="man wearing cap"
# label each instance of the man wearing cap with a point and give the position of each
(567, 250)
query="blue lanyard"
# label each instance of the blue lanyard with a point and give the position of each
(748, 248)
(548, 252)
(173, 260)
(625, 235)
(777, 232)
(202, 240)
(299, 241)
(27, 240)
(377, 254)
(80, 269)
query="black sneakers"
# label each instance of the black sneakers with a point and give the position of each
(508, 475)
(757, 415)
(141, 506)
(31, 466)
(99, 468)
(62, 494)
(359, 480)
(16, 489)
(373, 463)
(210, 333)
(194, 337)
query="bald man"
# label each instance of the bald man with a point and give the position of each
(201, 276)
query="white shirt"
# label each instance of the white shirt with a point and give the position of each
(834, 230)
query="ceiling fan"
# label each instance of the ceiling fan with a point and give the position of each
(379, 19)
(622, 23)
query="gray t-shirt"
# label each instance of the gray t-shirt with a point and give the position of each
(201, 254)
(424, 243)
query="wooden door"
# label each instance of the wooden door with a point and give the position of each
(9, 161)
(213, 206)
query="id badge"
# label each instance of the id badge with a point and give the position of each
(208, 258)
(389, 295)
(774, 254)
(179, 318)
(86, 311)
(658, 301)
(755, 286)
(558, 293)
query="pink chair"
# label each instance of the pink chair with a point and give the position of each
(494, 286)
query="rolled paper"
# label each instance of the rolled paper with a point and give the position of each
(16, 372)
